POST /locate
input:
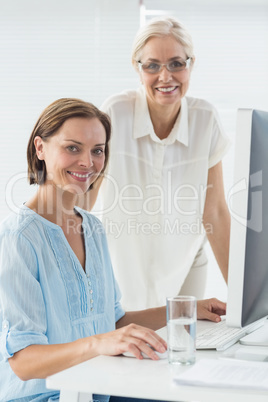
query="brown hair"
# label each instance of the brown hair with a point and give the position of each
(49, 122)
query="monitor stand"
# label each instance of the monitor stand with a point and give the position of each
(259, 337)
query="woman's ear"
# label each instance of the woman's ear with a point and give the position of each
(192, 62)
(39, 147)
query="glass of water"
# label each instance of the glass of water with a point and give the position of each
(181, 329)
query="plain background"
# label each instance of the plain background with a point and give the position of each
(51, 49)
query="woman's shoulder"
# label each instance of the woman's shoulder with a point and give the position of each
(199, 103)
(25, 224)
(21, 229)
(119, 100)
(16, 222)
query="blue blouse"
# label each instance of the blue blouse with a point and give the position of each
(45, 295)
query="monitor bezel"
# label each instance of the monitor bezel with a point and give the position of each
(238, 204)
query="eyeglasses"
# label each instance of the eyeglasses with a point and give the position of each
(173, 66)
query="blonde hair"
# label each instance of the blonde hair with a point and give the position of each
(159, 27)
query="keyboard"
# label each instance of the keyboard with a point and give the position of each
(220, 337)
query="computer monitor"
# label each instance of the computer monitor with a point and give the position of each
(247, 300)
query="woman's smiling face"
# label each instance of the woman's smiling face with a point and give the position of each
(75, 155)
(165, 87)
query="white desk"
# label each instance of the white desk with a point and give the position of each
(126, 376)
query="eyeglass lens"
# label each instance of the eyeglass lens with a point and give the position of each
(172, 66)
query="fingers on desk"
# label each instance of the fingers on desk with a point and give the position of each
(144, 340)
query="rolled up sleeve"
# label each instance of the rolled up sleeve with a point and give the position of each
(22, 309)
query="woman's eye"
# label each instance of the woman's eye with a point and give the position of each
(177, 64)
(98, 151)
(72, 148)
(152, 66)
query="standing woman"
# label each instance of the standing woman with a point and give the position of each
(163, 193)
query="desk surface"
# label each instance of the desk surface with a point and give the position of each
(127, 376)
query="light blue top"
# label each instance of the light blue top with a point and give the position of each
(45, 295)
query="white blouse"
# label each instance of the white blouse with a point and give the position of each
(152, 199)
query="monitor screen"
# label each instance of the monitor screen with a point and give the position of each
(248, 259)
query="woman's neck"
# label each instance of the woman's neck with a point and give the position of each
(53, 204)
(163, 118)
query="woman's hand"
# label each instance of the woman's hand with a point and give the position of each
(210, 309)
(131, 338)
(40, 361)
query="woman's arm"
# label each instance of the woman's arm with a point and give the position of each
(216, 218)
(155, 318)
(40, 361)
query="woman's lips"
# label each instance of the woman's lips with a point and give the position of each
(166, 89)
(80, 176)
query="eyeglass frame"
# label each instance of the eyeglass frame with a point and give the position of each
(187, 61)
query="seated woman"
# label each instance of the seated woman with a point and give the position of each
(59, 300)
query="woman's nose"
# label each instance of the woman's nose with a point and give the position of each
(86, 160)
(165, 75)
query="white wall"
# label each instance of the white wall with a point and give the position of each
(52, 49)
(61, 48)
